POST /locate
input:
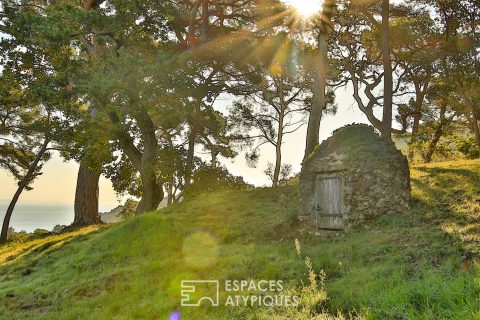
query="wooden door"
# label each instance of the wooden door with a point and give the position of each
(329, 200)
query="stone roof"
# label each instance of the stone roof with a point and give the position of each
(356, 145)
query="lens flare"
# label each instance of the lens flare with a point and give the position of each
(174, 316)
(200, 250)
(305, 8)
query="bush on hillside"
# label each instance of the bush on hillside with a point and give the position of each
(209, 179)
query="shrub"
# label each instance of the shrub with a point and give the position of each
(466, 145)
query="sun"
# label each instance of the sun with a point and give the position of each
(305, 8)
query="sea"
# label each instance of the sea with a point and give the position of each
(31, 216)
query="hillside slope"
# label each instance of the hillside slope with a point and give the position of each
(416, 266)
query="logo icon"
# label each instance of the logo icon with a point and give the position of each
(198, 292)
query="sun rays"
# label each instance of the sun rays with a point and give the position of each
(305, 8)
(244, 46)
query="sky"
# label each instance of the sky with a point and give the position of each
(57, 184)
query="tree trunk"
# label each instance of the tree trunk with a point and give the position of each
(416, 124)
(475, 128)
(152, 194)
(192, 137)
(204, 29)
(278, 146)
(436, 137)
(388, 72)
(22, 185)
(144, 163)
(278, 154)
(278, 163)
(214, 159)
(87, 190)
(86, 197)
(319, 102)
(319, 98)
(170, 194)
(152, 187)
(205, 21)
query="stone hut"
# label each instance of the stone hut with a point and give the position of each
(353, 176)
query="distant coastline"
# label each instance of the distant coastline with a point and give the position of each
(43, 215)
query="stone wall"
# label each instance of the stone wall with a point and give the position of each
(375, 175)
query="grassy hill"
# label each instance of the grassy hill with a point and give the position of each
(416, 266)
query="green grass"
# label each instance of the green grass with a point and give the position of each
(415, 266)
